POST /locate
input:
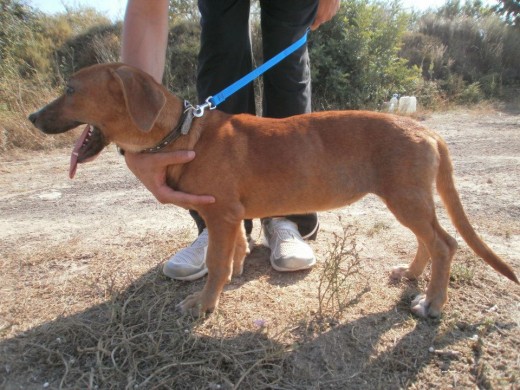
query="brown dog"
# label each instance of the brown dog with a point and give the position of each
(258, 167)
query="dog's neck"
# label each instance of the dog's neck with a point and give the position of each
(162, 136)
(182, 127)
(172, 115)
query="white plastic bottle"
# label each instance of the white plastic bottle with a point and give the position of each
(393, 103)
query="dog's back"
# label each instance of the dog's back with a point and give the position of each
(325, 160)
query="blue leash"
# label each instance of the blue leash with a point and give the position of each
(213, 101)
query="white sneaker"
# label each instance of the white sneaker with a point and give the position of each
(289, 252)
(189, 263)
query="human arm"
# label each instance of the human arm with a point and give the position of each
(326, 11)
(151, 170)
(145, 38)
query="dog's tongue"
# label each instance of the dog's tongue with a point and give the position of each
(75, 152)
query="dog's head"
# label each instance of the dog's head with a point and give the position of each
(119, 103)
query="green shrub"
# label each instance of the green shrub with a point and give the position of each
(369, 51)
(471, 94)
(30, 39)
(355, 59)
(17, 37)
(181, 59)
(429, 94)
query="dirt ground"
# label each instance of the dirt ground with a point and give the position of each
(84, 303)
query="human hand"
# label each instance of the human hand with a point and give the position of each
(150, 169)
(326, 11)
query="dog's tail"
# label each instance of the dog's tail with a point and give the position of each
(450, 198)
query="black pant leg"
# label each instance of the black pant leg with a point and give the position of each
(225, 56)
(287, 86)
(225, 53)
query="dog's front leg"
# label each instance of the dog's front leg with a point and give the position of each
(219, 260)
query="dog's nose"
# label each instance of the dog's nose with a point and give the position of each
(33, 117)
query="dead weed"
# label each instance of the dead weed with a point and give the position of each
(128, 333)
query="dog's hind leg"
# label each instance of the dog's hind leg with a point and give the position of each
(415, 210)
(442, 248)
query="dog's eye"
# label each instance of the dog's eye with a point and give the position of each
(69, 90)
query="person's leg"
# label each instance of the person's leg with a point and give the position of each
(287, 92)
(225, 56)
(287, 86)
(225, 53)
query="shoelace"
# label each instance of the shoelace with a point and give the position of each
(283, 230)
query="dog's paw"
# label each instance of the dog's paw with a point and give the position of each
(422, 308)
(193, 306)
(238, 269)
(419, 306)
(399, 272)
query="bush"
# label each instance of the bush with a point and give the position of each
(467, 49)
(424, 51)
(354, 57)
(29, 39)
(430, 95)
(28, 42)
(471, 94)
(369, 51)
(98, 44)
(180, 74)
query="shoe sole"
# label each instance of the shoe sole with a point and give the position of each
(304, 267)
(188, 278)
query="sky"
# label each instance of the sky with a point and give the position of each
(115, 9)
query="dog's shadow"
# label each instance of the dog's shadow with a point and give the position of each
(257, 264)
(138, 339)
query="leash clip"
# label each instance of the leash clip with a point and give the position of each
(199, 109)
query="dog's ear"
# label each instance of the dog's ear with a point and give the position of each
(143, 98)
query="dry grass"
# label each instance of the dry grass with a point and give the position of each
(20, 98)
(113, 324)
(342, 262)
(128, 336)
